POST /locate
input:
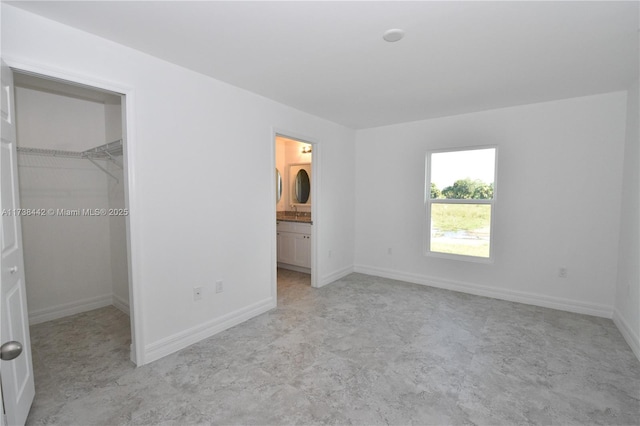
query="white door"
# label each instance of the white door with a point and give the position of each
(16, 375)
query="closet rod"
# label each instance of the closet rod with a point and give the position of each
(51, 152)
(106, 151)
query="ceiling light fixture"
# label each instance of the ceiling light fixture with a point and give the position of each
(393, 35)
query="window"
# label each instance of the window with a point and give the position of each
(460, 195)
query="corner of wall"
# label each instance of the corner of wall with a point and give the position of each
(335, 276)
(629, 335)
(627, 298)
(183, 339)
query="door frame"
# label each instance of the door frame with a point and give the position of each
(315, 196)
(129, 165)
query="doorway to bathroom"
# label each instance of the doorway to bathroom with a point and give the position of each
(295, 206)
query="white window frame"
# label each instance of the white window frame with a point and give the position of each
(429, 201)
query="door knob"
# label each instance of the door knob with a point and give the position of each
(13, 269)
(10, 350)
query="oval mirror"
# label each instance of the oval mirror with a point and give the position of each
(278, 186)
(303, 186)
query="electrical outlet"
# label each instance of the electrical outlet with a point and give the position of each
(219, 287)
(197, 293)
(562, 272)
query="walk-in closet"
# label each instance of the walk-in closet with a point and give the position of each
(71, 177)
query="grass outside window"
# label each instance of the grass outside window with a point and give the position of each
(463, 229)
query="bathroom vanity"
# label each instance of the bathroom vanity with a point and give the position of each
(294, 244)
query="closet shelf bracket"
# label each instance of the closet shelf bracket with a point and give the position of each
(103, 169)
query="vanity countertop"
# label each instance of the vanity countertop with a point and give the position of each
(291, 217)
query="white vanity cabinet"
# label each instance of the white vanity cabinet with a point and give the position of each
(294, 245)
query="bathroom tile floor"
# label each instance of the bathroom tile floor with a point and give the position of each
(362, 350)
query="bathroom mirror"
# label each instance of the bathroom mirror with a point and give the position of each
(278, 185)
(298, 184)
(302, 186)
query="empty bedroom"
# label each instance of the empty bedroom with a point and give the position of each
(347, 212)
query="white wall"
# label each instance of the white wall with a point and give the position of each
(67, 259)
(113, 121)
(45, 121)
(627, 302)
(118, 239)
(558, 201)
(117, 223)
(195, 219)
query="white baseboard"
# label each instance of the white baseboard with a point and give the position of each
(72, 308)
(294, 268)
(181, 340)
(493, 292)
(629, 335)
(121, 304)
(334, 276)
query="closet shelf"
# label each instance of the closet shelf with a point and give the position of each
(107, 151)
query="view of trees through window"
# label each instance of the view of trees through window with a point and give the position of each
(464, 189)
(460, 201)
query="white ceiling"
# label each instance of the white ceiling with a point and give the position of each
(329, 58)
